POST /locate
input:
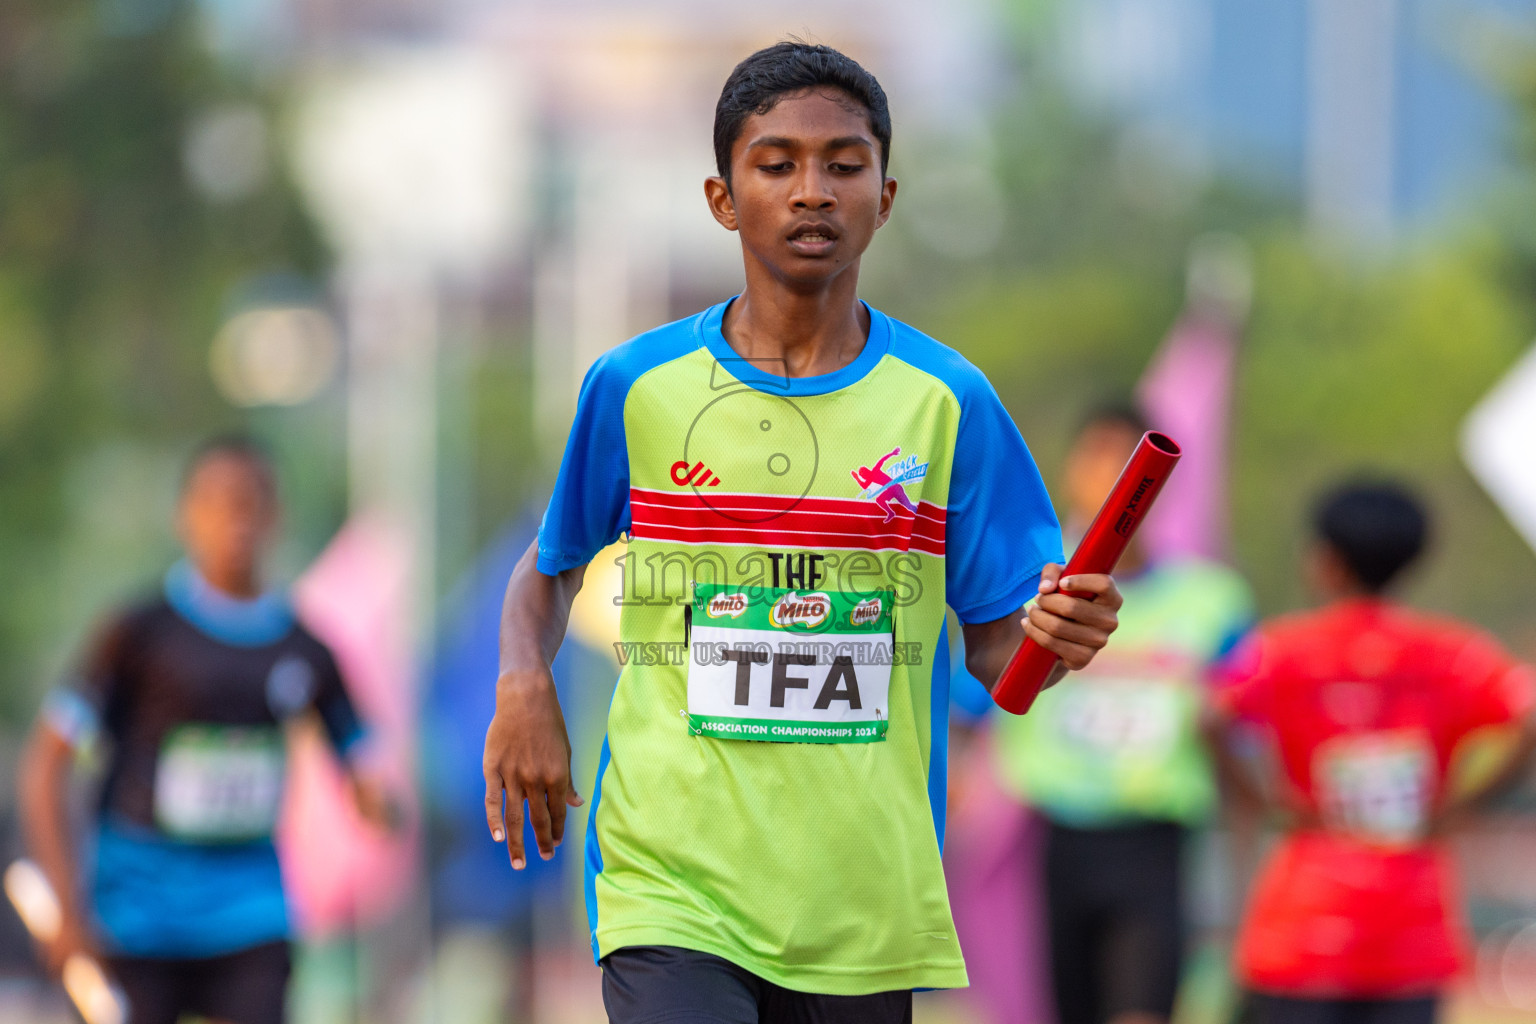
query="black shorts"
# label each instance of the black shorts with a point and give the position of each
(1115, 907)
(1261, 1008)
(249, 986)
(652, 984)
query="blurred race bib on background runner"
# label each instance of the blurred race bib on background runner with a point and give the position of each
(1131, 716)
(1376, 786)
(219, 783)
(787, 666)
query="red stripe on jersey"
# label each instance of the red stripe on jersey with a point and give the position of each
(773, 520)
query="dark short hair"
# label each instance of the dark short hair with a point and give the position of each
(233, 445)
(1377, 528)
(757, 84)
(1116, 413)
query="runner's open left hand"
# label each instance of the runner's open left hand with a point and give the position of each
(528, 757)
(1073, 628)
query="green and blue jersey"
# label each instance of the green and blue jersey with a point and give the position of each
(771, 789)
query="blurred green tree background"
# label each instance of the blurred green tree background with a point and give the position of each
(115, 273)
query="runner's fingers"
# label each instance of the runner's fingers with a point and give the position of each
(1085, 634)
(557, 805)
(515, 831)
(1075, 609)
(493, 818)
(538, 817)
(1074, 656)
(573, 798)
(1101, 585)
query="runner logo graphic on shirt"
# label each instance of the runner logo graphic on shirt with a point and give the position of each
(887, 486)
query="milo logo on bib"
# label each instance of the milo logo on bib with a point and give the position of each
(866, 612)
(806, 611)
(790, 667)
(723, 606)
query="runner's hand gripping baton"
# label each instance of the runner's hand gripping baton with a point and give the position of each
(89, 988)
(1143, 476)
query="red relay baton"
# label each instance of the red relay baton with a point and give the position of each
(1112, 529)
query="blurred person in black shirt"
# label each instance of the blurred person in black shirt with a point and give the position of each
(192, 689)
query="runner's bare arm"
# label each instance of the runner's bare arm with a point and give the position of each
(1072, 628)
(1455, 810)
(1237, 778)
(527, 752)
(44, 779)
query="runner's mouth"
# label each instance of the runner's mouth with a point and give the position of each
(812, 239)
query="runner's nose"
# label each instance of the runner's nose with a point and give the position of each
(812, 191)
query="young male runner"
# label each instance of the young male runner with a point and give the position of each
(1354, 919)
(765, 832)
(1116, 765)
(191, 689)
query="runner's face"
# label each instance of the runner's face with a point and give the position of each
(1094, 464)
(227, 515)
(807, 192)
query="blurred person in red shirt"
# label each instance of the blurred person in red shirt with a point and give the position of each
(1354, 918)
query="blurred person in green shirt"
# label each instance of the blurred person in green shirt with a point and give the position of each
(1114, 762)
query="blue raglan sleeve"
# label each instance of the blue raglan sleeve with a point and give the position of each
(1001, 529)
(590, 505)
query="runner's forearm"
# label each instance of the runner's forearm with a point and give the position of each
(989, 645)
(1239, 781)
(44, 778)
(1513, 767)
(535, 613)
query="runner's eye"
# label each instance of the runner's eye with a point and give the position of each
(778, 168)
(847, 168)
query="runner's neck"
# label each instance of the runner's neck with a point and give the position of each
(797, 335)
(235, 585)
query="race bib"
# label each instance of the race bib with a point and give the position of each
(1376, 786)
(788, 666)
(1115, 716)
(219, 783)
